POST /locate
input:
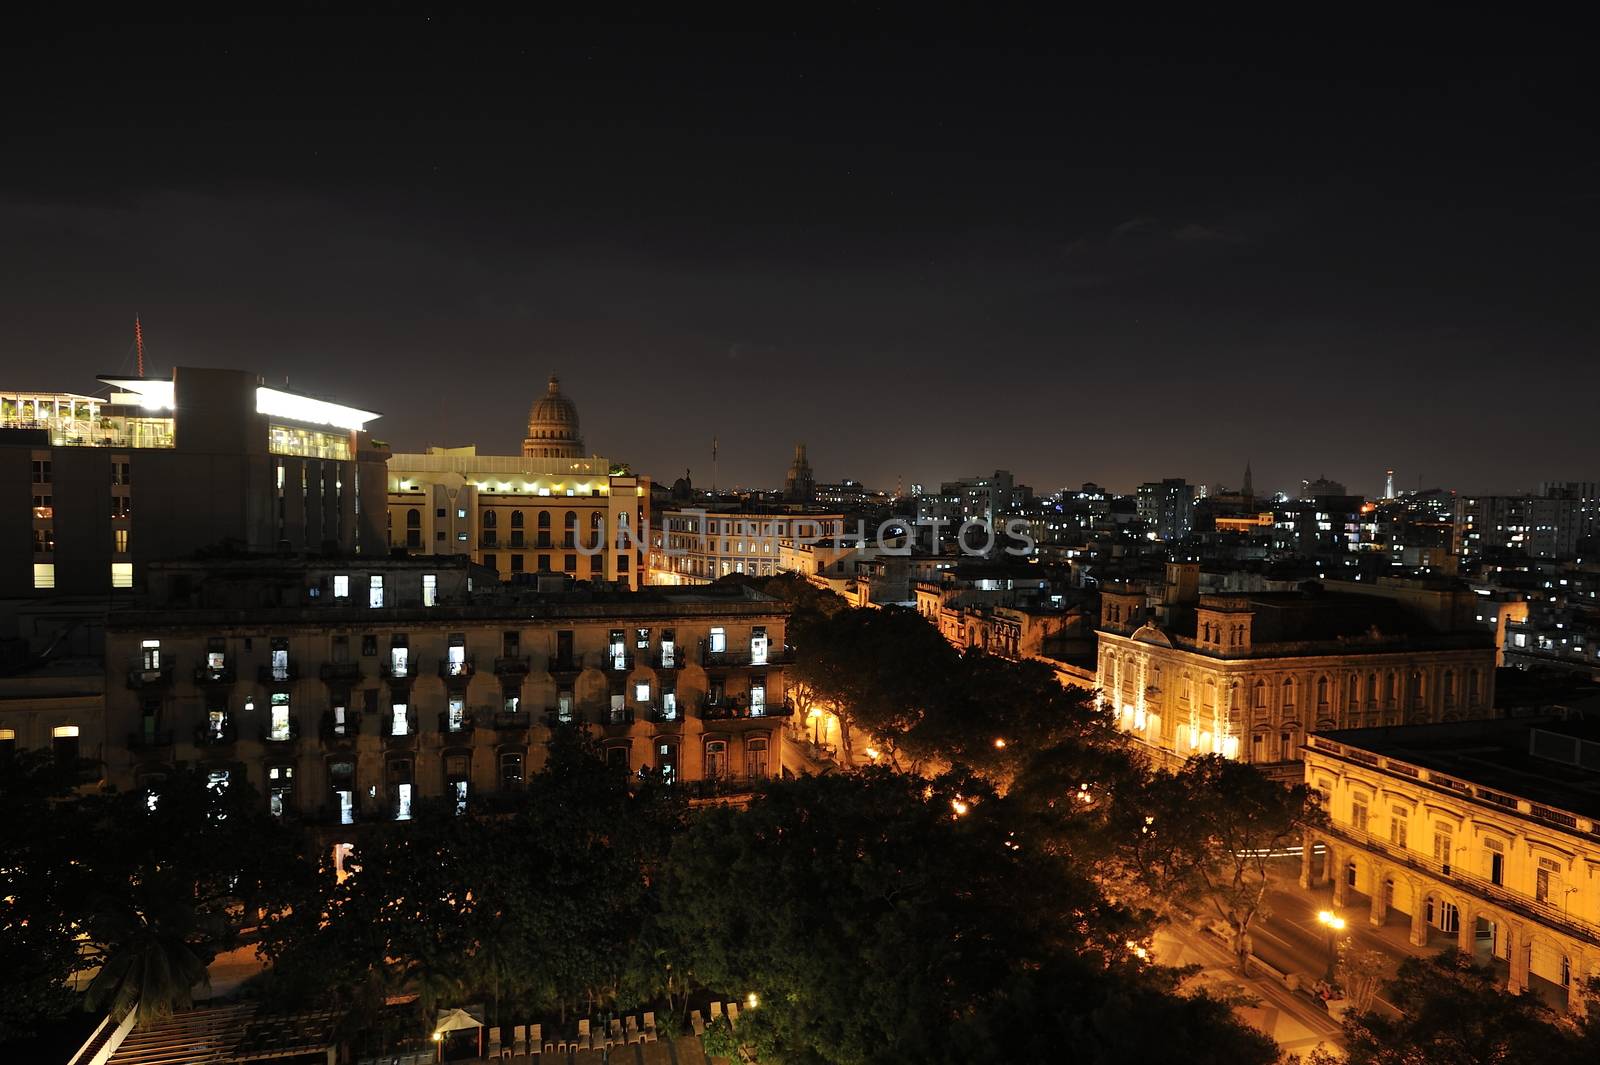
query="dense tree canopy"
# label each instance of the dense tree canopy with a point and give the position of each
(1454, 1012)
(140, 889)
(875, 923)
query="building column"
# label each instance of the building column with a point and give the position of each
(1517, 958)
(1419, 917)
(1380, 905)
(1306, 844)
(1466, 930)
(1341, 889)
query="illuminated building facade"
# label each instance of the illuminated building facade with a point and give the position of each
(163, 467)
(363, 689)
(1482, 835)
(518, 515)
(698, 546)
(1249, 675)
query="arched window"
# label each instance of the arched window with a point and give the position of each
(1353, 698)
(1261, 695)
(413, 519)
(1288, 692)
(1449, 687)
(716, 759)
(1372, 691)
(489, 519)
(1322, 692)
(544, 519)
(516, 519)
(570, 523)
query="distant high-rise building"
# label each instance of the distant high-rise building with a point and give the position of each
(1167, 507)
(799, 486)
(1249, 489)
(1388, 484)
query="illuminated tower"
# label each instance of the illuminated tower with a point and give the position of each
(1388, 484)
(553, 426)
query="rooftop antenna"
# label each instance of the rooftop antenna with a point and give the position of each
(138, 342)
(713, 466)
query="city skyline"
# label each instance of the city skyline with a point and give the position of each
(1069, 265)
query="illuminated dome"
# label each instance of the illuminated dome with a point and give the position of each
(553, 426)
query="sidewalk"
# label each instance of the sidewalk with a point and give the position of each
(1288, 1019)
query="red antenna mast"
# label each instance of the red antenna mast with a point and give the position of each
(138, 342)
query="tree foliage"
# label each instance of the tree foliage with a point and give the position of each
(1453, 1012)
(875, 923)
(1206, 836)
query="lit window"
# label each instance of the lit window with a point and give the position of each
(641, 692)
(430, 589)
(44, 574)
(341, 586)
(122, 574)
(375, 590)
(719, 638)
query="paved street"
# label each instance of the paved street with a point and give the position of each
(1293, 1021)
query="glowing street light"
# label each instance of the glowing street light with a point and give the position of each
(751, 1000)
(999, 744)
(1334, 924)
(959, 807)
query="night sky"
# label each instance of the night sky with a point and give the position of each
(1082, 252)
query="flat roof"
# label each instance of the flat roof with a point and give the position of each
(1493, 753)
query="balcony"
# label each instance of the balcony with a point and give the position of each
(225, 736)
(462, 729)
(657, 715)
(722, 787)
(285, 674)
(141, 677)
(733, 708)
(744, 658)
(512, 665)
(223, 674)
(552, 718)
(511, 721)
(618, 720)
(618, 663)
(150, 741)
(341, 734)
(343, 674)
(679, 659)
(461, 671)
(402, 671)
(282, 737)
(1527, 905)
(569, 666)
(408, 739)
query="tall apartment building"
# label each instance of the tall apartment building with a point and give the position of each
(1248, 675)
(348, 692)
(1482, 835)
(1545, 526)
(162, 467)
(550, 510)
(1167, 507)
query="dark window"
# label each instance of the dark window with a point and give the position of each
(369, 644)
(439, 513)
(516, 563)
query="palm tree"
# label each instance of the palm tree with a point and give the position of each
(148, 961)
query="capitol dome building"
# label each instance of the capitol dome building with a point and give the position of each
(553, 426)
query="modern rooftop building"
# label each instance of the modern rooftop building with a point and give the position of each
(164, 467)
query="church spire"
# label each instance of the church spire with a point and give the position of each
(1249, 487)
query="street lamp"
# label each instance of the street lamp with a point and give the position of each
(1334, 924)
